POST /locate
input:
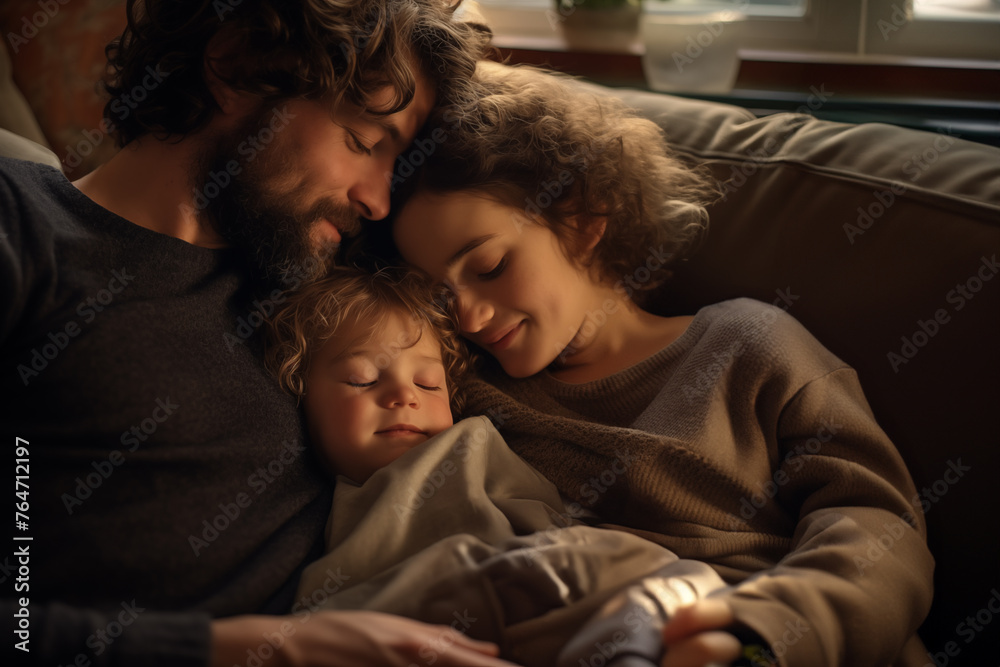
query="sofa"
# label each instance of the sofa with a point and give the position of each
(882, 241)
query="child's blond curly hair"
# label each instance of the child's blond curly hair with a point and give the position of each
(556, 148)
(346, 295)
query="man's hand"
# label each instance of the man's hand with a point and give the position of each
(692, 637)
(345, 639)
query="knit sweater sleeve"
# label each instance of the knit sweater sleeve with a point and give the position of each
(64, 635)
(856, 582)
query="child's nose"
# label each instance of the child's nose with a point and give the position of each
(401, 394)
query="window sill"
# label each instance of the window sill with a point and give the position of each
(964, 101)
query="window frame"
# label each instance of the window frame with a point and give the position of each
(865, 31)
(933, 37)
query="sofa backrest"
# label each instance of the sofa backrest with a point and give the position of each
(884, 242)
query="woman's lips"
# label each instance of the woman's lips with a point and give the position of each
(506, 340)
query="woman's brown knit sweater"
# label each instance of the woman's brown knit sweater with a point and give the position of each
(748, 445)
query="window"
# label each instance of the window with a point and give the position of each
(968, 29)
(824, 30)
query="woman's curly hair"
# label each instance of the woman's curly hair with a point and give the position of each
(347, 295)
(335, 50)
(555, 149)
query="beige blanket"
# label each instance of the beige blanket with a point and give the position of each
(461, 531)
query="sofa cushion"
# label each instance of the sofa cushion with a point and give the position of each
(16, 146)
(15, 113)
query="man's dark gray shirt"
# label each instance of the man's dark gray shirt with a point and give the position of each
(167, 479)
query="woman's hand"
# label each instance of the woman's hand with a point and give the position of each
(692, 637)
(345, 639)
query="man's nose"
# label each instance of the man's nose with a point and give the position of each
(369, 195)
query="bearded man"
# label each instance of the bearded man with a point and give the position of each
(172, 499)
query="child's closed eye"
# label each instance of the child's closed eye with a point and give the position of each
(360, 382)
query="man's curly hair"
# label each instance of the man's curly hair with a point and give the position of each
(346, 295)
(331, 50)
(554, 148)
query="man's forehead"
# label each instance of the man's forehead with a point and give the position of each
(405, 123)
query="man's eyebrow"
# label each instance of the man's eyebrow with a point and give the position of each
(391, 129)
(468, 247)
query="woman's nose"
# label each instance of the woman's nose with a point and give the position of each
(473, 312)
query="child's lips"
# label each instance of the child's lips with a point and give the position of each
(397, 430)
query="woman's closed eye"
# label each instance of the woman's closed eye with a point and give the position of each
(495, 271)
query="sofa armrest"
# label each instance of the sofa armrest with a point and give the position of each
(16, 146)
(15, 113)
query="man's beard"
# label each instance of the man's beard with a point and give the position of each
(260, 211)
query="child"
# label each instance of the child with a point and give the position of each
(548, 210)
(445, 524)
